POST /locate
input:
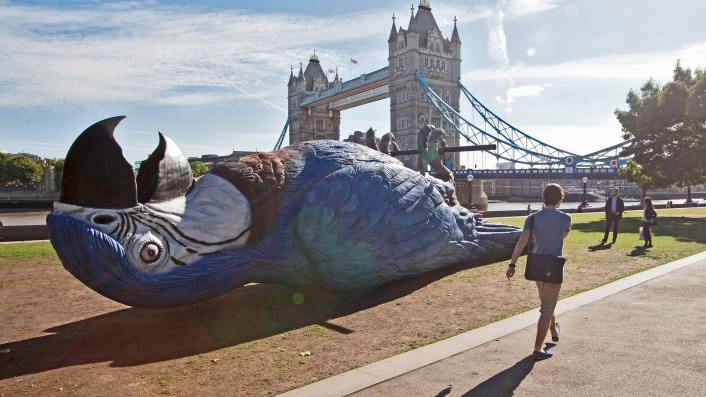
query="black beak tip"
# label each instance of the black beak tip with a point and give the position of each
(95, 172)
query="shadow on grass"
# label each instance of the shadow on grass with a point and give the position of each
(504, 383)
(683, 229)
(600, 247)
(639, 250)
(133, 336)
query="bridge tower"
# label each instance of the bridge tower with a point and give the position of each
(311, 123)
(423, 48)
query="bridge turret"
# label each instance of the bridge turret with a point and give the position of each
(412, 32)
(455, 47)
(393, 31)
(300, 85)
(455, 38)
(337, 81)
(316, 79)
(292, 79)
(308, 123)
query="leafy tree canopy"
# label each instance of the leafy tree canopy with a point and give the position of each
(633, 172)
(23, 170)
(668, 127)
(4, 159)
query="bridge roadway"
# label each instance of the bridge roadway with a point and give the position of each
(540, 173)
(367, 88)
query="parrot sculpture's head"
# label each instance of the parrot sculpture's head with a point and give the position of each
(143, 240)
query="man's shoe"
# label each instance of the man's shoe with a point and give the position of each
(539, 355)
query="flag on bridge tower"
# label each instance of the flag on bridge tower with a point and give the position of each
(354, 61)
(331, 71)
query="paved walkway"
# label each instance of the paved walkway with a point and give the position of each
(644, 335)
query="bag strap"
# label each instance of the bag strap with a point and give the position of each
(531, 239)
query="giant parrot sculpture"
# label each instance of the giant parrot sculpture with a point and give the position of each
(324, 214)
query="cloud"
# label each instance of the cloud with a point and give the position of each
(444, 14)
(638, 66)
(517, 8)
(526, 90)
(497, 40)
(130, 52)
(513, 92)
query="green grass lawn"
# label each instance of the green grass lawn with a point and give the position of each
(26, 250)
(679, 233)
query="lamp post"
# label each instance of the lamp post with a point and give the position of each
(469, 179)
(585, 198)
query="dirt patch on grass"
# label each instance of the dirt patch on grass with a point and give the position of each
(260, 339)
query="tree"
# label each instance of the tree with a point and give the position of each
(198, 168)
(24, 171)
(4, 159)
(668, 127)
(58, 165)
(633, 172)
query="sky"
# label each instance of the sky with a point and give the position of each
(213, 74)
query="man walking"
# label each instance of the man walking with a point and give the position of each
(547, 228)
(614, 208)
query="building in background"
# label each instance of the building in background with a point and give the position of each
(421, 47)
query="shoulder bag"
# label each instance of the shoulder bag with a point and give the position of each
(542, 267)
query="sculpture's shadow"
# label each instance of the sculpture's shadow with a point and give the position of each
(134, 336)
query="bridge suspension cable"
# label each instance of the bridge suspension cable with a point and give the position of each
(506, 149)
(282, 135)
(513, 145)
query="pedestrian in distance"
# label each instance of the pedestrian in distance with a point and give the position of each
(545, 230)
(614, 208)
(649, 218)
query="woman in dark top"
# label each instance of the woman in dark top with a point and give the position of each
(649, 216)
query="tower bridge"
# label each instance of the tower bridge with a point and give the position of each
(422, 81)
(369, 87)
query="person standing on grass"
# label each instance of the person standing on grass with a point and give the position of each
(549, 228)
(649, 215)
(614, 208)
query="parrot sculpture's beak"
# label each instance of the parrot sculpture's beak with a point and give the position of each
(97, 175)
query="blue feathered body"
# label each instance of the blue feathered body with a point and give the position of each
(348, 218)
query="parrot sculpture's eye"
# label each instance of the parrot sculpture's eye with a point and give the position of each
(150, 252)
